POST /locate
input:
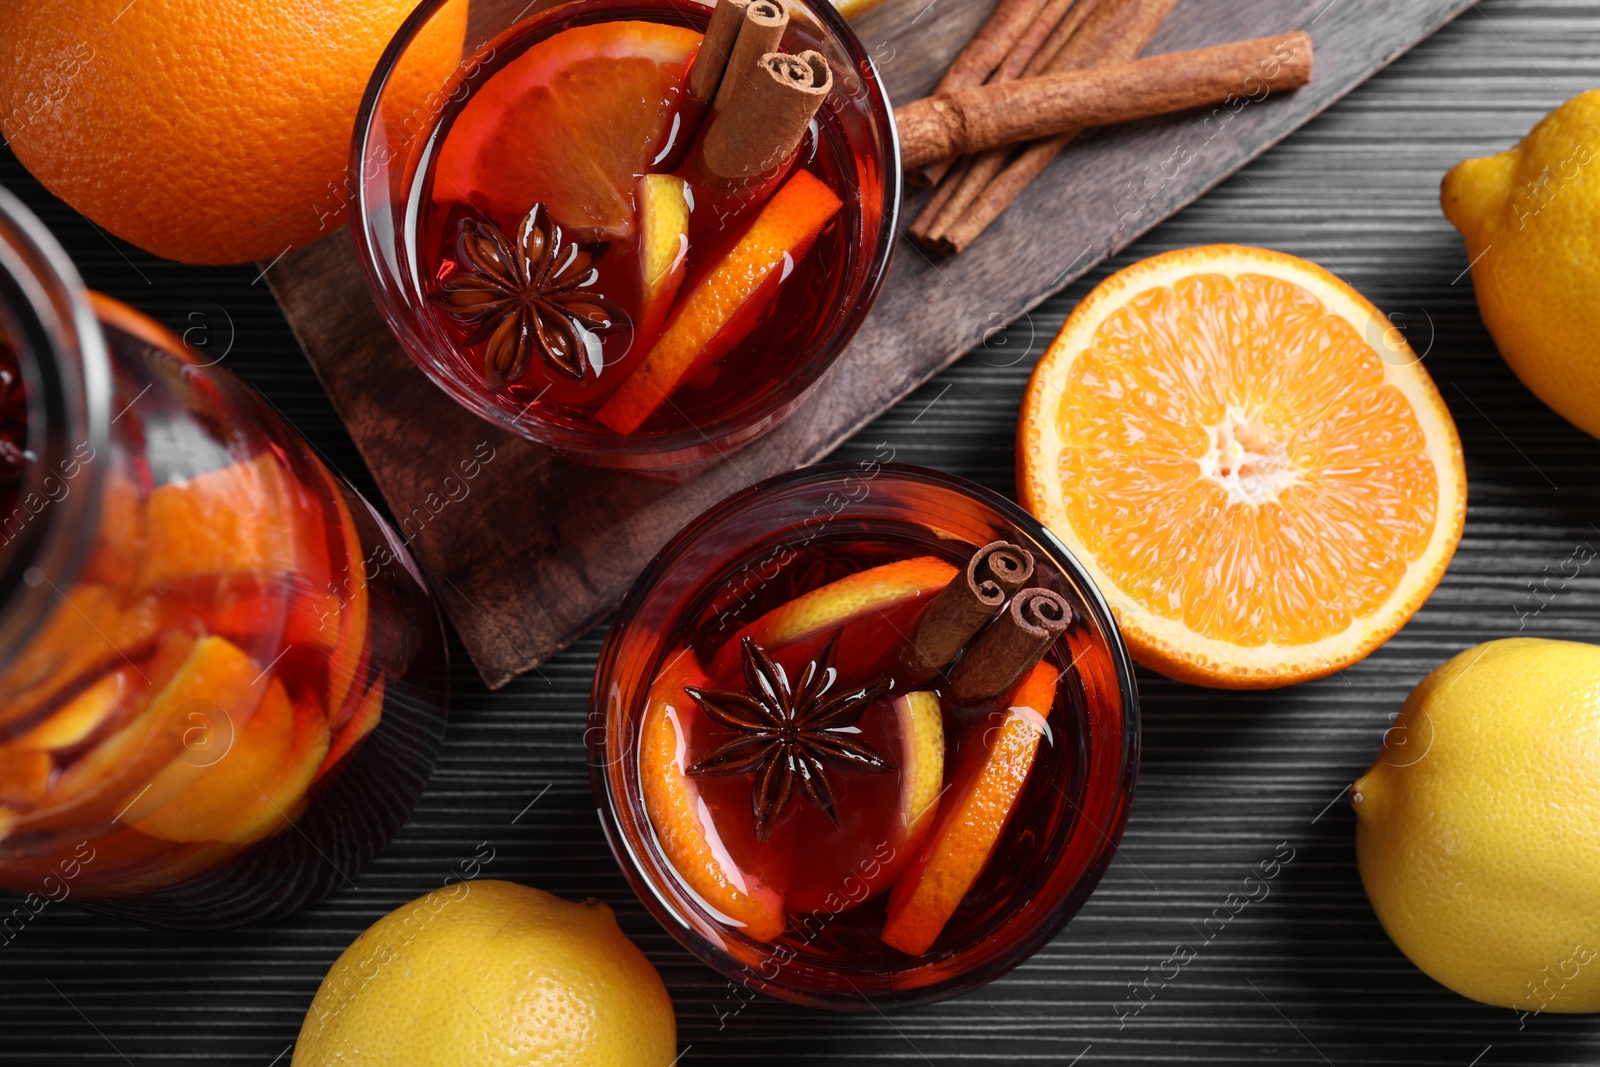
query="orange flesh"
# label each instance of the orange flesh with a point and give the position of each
(599, 98)
(681, 820)
(787, 224)
(1234, 460)
(971, 818)
(832, 605)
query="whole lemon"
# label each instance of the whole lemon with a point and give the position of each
(1478, 826)
(1531, 220)
(490, 973)
(211, 131)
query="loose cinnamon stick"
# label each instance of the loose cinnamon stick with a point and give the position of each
(712, 60)
(1042, 60)
(759, 34)
(1111, 31)
(988, 116)
(1010, 21)
(1010, 646)
(1054, 17)
(959, 611)
(986, 51)
(755, 135)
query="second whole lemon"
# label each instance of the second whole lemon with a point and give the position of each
(1478, 826)
(490, 973)
(1531, 219)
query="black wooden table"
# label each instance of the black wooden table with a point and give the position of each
(1305, 975)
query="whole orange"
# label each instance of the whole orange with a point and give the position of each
(210, 131)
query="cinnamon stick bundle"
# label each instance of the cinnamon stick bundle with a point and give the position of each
(959, 611)
(1009, 646)
(989, 116)
(1010, 21)
(973, 196)
(1055, 22)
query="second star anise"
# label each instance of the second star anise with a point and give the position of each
(526, 295)
(788, 734)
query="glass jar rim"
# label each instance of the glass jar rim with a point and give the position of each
(66, 369)
(602, 752)
(370, 233)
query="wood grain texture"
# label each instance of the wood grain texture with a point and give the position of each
(1304, 977)
(543, 549)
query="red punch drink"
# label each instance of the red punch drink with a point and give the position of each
(222, 685)
(643, 229)
(864, 746)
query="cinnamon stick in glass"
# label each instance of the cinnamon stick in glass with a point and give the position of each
(752, 138)
(989, 116)
(958, 612)
(711, 62)
(1009, 646)
(759, 34)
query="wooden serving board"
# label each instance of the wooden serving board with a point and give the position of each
(537, 550)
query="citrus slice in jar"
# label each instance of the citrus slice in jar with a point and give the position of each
(1250, 461)
(572, 123)
(681, 819)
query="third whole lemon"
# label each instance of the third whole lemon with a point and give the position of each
(1478, 826)
(490, 973)
(1531, 219)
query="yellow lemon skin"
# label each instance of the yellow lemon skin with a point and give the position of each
(1531, 220)
(490, 973)
(1478, 826)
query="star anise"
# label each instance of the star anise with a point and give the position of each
(530, 294)
(788, 734)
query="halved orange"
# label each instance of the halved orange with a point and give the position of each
(983, 792)
(682, 821)
(572, 123)
(1249, 459)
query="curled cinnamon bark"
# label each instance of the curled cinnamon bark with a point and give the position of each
(754, 135)
(762, 29)
(705, 76)
(959, 611)
(1010, 646)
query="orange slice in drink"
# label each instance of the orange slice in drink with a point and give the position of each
(682, 820)
(1250, 461)
(572, 123)
(921, 764)
(24, 775)
(971, 817)
(214, 687)
(363, 720)
(663, 250)
(85, 713)
(227, 521)
(723, 307)
(831, 606)
(347, 661)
